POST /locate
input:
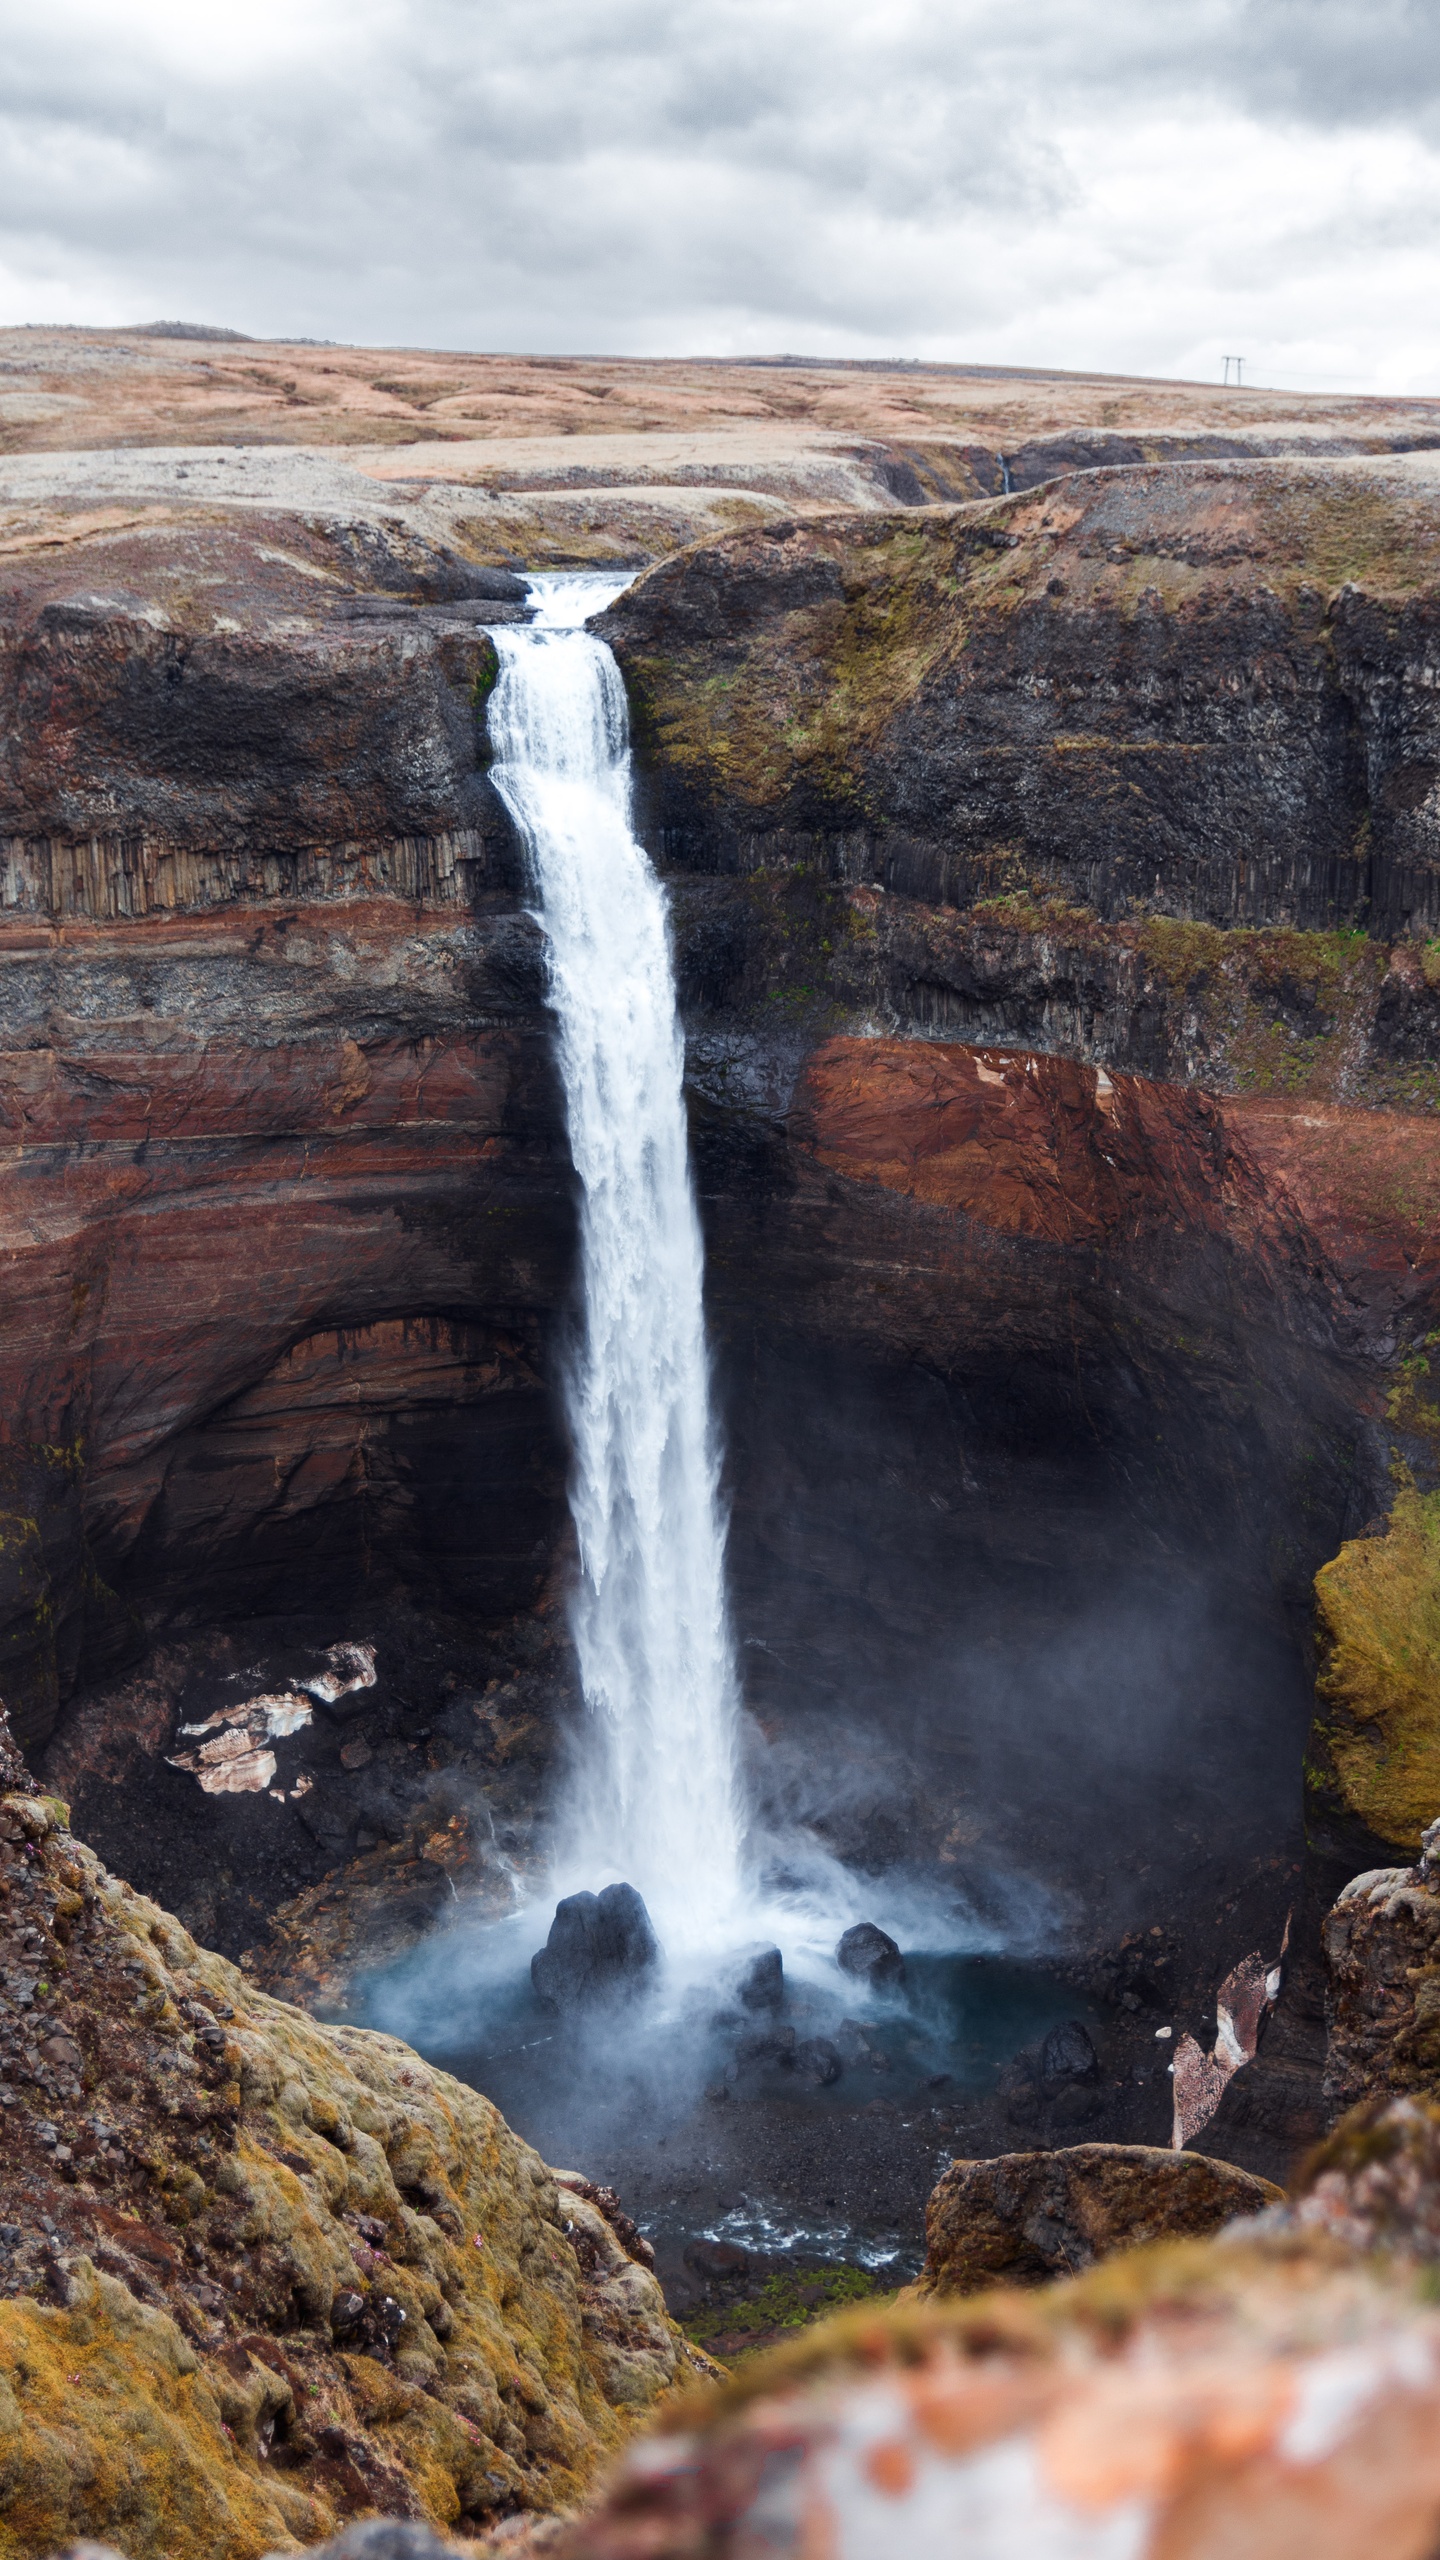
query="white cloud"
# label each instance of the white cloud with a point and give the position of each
(1116, 183)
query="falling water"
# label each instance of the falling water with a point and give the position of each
(654, 1795)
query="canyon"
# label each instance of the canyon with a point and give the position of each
(1054, 884)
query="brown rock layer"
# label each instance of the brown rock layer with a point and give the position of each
(1034, 2214)
(1382, 1946)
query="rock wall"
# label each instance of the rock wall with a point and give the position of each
(1198, 693)
(1007, 1349)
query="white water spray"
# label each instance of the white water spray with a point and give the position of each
(654, 1796)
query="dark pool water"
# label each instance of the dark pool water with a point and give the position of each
(628, 2089)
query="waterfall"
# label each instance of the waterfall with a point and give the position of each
(653, 1795)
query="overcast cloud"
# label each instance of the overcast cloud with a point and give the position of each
(1124, 184)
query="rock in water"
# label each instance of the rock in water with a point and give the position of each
(871, 1956)
(502, 585)
(761, 1980)
(601, 1946)
(816, 2059)
(1067, 2055)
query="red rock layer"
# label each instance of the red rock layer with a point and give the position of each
(224, 1211)
(1026, 1145)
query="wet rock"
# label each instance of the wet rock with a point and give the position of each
(761, 1981)
(601, 1946)
(871, 1956)
(501, 586)
(717, 2261)
(1066, 2056)
(855, 2043)
(768, 2044)
(1032, 2214)
(816, 2059)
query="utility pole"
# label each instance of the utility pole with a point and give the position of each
(1238, 363)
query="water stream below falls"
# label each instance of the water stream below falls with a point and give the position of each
(653, 1794)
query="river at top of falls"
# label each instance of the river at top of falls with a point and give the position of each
(653, 1796)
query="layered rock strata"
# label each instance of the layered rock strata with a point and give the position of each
(291, 1219)
(1195, 693)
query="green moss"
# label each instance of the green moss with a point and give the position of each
(487, 674)
(1410, 1407)
(1377, 1737)
(817, 687)
(789, 2299)
(1280, 1009)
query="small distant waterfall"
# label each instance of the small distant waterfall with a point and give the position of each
(654, 1797)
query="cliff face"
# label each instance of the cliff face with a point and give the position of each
(282, 1208)
(1137, 768)
(1038, 1367)
(1195, 692)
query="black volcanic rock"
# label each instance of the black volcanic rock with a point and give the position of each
(872, 1956)
(1067, 2055)
(600, 1945)
(761, 1982)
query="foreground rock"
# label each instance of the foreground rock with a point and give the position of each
(1200, 2399)
(1382, 1946)
(1034, 2214)
(258, 2274)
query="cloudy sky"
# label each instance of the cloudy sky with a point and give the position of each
(1125, 184)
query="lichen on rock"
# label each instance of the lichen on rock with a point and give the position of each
(262, 2274)
(1030, 2215)
(1199, 2397)
(1382, 1947)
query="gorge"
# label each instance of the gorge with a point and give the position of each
(1051, 887)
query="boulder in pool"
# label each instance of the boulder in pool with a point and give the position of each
(871, 1956)
(601, 1947)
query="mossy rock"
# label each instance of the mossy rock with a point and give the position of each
(789, 2299)
(288, 2272)
(1376, 1744)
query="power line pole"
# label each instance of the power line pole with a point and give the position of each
(1238, 363)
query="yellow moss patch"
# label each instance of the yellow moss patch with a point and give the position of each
(380, 2298)
(1378, 1608)
(108, 2426)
